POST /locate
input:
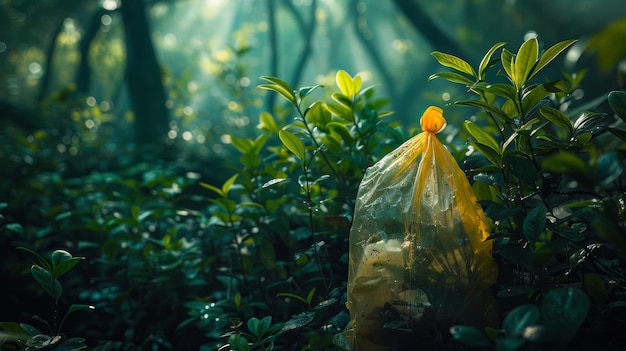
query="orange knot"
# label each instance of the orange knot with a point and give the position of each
(432, 120)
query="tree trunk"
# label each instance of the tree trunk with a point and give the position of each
(427, 27)
(143, 76)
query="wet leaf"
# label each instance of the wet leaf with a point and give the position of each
(299, 320)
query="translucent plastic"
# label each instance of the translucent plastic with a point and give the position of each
(419, 258)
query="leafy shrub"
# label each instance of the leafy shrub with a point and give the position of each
(550, 176)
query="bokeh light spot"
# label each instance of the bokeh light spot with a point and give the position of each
(106, 20)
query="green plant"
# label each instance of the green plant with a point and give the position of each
(563, 310)
(47, 274)
(288, 209)
(550, 173)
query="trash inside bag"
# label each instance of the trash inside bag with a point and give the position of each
(419, 258)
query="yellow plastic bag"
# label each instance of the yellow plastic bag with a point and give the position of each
(419, 258)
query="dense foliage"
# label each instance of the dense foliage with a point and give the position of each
(258, 261)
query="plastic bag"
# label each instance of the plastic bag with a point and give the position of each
(419, 258)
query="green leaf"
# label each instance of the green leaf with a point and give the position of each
(470, 336)
(228, 184)
(481, 137)
(349, 86)
(267, 122)
(564, 310)
(340, 111)
(274, 181)
(310, 295)
(570, 233)
(81, 307)
(535, 223)
(238, 342)
(454, 62)
(293, 296)
(341, 130)
(299, 320)
(504, 90)
(519, 319)
(253, 326)
(62, 261)
(342, 99)
(280, 86)
(212, 188)
(305, 91)
(595, 287)
(317, 114)
(293, 143)
(520, 166)
(29, 329)
(453, 77)
(490, 154)
(14, 227)
(550, 55)
(568, 163)
(485, 62)
(50, 285)
(535, 98)
(250, 160)
(557, 117)
(42, 261)
(506, 57)
(242, 145)
(262, 326)
(524, 61)
(617, 102)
